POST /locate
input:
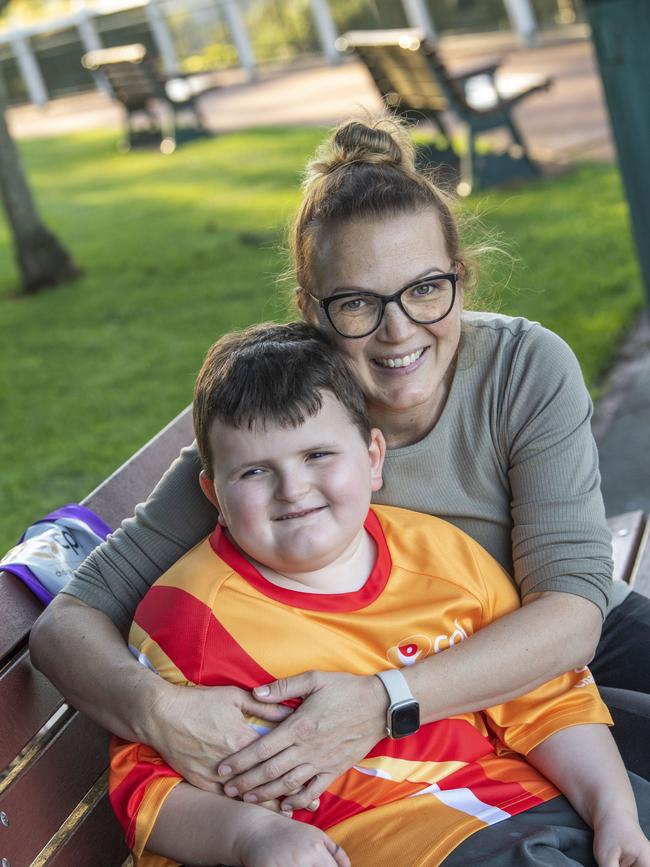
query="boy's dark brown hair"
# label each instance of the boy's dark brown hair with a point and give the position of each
(271, 374)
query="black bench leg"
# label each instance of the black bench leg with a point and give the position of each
(521, 144)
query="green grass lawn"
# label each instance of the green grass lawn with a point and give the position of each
(176, 250)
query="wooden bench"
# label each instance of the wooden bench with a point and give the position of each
(414, 82)
(161, 110)
(54, 810)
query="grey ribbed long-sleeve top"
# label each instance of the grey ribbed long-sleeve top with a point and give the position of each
(511, 461)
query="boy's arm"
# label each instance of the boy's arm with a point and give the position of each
(584, 763)
(215, 831)
(198, 827)
(161, 813)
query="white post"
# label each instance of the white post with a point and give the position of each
(326, 28)
(29, 69)
(91, 42)
(418, 16)
(240, 36)
(522, 18)
(162, 37)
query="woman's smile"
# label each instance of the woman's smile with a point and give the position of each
(400, 364)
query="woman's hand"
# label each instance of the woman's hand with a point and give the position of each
(289, 844)
(340, 720)
(620, 842)
(194, 728)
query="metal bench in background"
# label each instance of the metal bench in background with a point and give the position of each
(414, 82)
(54, 809)
(161, 110)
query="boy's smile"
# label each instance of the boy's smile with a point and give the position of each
(295, 499)
(303, 514)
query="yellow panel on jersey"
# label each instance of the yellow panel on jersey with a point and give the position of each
(212, 619)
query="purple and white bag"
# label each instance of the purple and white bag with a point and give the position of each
(51, 549)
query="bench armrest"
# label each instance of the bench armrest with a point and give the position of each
(462, 75)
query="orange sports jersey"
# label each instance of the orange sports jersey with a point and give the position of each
(212, 619)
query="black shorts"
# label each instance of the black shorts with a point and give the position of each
(550, 835)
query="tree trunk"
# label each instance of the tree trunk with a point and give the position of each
(41, 258)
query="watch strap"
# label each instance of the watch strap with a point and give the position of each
(395, 685)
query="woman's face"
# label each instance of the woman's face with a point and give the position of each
(383, 256)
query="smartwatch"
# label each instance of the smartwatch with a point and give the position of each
(403, 714)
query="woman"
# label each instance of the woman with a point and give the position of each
(487, 422)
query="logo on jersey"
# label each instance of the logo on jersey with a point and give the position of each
(409, 650)
(442, 642)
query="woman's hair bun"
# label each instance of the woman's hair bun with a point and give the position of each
(381, 142)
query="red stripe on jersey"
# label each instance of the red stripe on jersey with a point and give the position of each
(354, 601)
(355, 792)
(126, 798)
(191, 636)
(497, 793)
(448, 740)
(331, 811)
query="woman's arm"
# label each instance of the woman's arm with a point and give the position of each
(86, 657)
(343, 716)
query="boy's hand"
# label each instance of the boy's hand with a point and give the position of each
(620, 842)
(340, 720)
(285, 843)
(197, 727)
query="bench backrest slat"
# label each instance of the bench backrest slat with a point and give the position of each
(640, 579)
(42, 798)
(626, 535)
(134, 85)
(19, 608)
(28, 700)
(96, 834)
(406, 74)
(116, 498)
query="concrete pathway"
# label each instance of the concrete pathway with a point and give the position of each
(622, 427)
(567, 123)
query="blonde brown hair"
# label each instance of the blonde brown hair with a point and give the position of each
(365, 171)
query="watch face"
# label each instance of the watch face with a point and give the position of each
(405, 719)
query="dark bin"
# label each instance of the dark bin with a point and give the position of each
(621, 34)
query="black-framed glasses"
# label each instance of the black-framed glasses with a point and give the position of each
(358, 314)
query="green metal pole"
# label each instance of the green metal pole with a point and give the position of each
(621, 34)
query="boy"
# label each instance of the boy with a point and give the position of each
(299, 575)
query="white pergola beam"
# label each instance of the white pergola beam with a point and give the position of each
(522, 18)
(29, 69)
(326, 28)
(162, 37)
(91, 42)
(239, 35)
(418, 16)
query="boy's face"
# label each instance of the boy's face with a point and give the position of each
(295, 499)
